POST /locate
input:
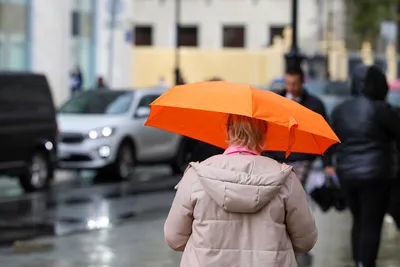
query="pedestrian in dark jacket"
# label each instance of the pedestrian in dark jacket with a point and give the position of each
(364, 160)
(302, 163)
(294, 90)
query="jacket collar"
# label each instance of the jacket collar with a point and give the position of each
(303, 96)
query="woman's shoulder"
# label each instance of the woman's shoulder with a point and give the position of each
(260, 164)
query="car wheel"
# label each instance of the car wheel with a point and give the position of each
(123, 166)
(39, 175)
(182, 159)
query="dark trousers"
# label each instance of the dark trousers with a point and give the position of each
(368, 202)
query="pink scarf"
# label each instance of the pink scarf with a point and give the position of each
(232, 150)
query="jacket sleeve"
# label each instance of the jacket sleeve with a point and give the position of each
(327, 158)
(322, 110)
(329, 154)
(389, 119)
(300, 221)
(178, 226)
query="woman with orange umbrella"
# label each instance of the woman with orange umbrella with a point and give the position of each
(240, 208)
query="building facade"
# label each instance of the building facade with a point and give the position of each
(214, 24)
(55, 37)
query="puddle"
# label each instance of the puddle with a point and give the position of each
(113, 195)
(69, 210)
(70, 220)
(127, 215)
(23, 247)
(77, 200)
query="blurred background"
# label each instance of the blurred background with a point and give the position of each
(133, 43)
(76, 81)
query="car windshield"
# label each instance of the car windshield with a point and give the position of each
(98, 102)
(393, 98)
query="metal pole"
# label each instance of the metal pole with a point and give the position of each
(294, 27)
(111, 41)
(178, 5)
(294, 58)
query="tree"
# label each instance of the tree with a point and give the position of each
(367, 15)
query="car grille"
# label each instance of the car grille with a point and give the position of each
(71, 138)
(75, 158)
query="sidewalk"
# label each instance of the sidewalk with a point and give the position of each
(141, 244)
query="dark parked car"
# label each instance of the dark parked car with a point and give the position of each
(28, 130)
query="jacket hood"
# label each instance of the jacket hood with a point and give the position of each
(369, 81)
(239, 191)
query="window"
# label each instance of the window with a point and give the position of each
(82, 31)
(275, 31)
(143, 35)
(99, 102)
(25, 95)
(234, 36)
(147, 100)
(188, 36)
(75, 23)
(81, 24)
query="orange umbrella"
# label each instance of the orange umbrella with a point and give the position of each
(200, 111)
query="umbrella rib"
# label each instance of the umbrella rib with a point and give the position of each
(251, 101)
(315, 141)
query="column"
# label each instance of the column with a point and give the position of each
(51, 31)
(391, 59)
(367, 56)
(118, 53)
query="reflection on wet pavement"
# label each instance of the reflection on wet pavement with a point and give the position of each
(66, 210)
(141, 243)
(138, 238)
(333, 247)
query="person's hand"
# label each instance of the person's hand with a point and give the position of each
(331, 171)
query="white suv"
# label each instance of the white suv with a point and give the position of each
(104, 130)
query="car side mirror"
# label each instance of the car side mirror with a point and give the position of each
(142, 112)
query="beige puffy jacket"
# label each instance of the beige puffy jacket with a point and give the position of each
(240, 211)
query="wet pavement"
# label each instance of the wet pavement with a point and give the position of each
(75, 205)
(134, 228)
(141, 243)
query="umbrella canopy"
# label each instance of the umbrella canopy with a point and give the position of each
(200, 111)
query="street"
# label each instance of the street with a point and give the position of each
(133, 213)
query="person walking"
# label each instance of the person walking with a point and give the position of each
(239, 208)
(364, 160)
(76, 80)
(301, 162)
(294, 90)
(100, 83)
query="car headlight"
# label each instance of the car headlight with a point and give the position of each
(101, 132)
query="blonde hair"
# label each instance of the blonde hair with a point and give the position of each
(246, 131)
